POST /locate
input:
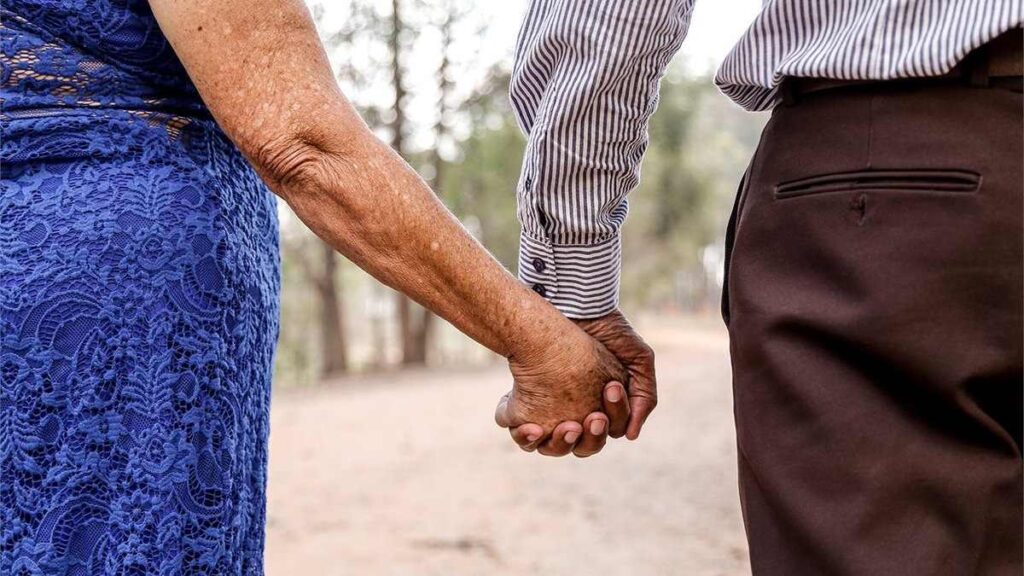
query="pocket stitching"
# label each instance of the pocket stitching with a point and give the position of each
(918, 181)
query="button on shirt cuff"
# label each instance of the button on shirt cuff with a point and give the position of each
(581, 281)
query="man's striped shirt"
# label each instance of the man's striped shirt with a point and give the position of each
(585, 83)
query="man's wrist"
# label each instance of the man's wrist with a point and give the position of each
(581, 281)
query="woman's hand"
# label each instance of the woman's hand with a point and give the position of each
(562, 382)
(569, 436)
(557, 395)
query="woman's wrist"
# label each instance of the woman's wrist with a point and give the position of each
(539, 330)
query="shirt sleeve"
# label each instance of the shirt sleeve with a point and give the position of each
(584, 84)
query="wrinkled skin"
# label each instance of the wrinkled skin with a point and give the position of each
(583, 367)
(618, 336)
(623, 413)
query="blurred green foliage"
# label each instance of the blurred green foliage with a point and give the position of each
(699, 146)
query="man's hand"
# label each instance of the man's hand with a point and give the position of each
(615, 332)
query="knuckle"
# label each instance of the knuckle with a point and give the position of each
(519, 413)
(646, 353)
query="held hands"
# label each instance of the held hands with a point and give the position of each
(573, 394)
(618, 336)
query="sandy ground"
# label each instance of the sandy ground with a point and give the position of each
(406, 474)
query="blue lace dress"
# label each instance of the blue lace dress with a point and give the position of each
(139, 281)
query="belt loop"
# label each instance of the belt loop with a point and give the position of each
(788, 91)
(978, 68)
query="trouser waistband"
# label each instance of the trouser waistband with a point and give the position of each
(997, 64)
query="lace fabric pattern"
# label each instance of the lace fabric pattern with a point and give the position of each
(139, 288)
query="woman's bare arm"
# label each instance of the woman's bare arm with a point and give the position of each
(262, 71)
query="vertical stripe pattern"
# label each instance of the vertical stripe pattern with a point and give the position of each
(585, 83)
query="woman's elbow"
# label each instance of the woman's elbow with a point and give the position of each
(298, 160)
(288, 162)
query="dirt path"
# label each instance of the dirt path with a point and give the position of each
(406, 475)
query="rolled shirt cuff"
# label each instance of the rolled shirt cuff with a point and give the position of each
(581, 281)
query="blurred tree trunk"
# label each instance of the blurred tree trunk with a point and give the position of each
(322, 277)
(437, 163)
(407, 329)
(334, 348)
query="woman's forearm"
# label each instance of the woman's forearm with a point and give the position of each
(367, 203)
(264, 75)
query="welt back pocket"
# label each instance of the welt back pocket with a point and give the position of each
(942, 181)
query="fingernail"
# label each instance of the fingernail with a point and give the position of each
(571, 437)
(597, 427)
(613, 394)
(532, 437)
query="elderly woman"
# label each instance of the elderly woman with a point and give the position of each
(139, 276)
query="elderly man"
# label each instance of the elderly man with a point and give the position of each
(874, 273)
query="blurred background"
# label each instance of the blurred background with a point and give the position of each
(384, 457)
